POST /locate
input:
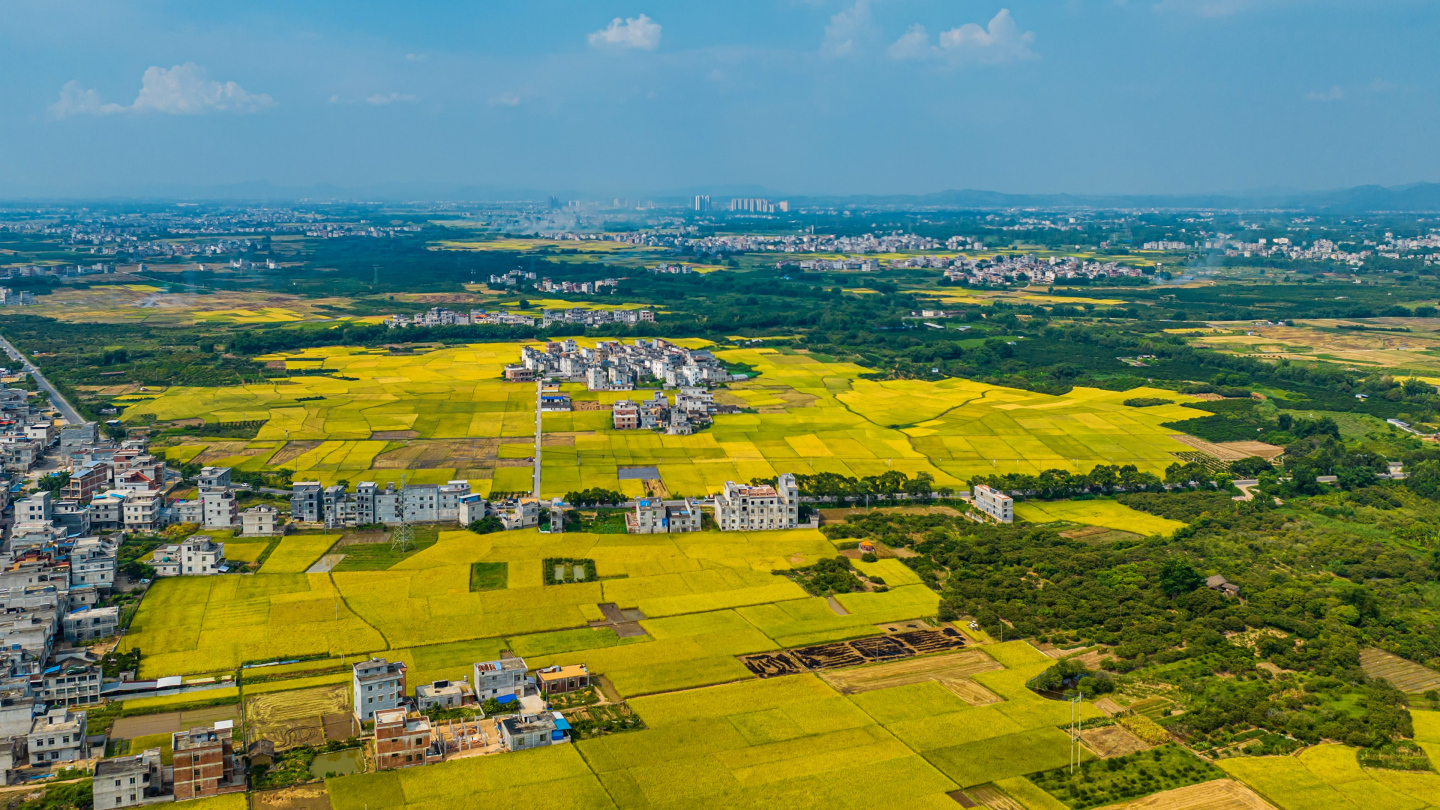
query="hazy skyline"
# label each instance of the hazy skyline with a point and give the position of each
(647, 96)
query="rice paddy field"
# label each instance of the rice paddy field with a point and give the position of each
(445, 414)
(1110, 514)
(791, 741)
(1329, 777)
(708, 596)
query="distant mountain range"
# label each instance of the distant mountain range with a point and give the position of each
(1415, 197)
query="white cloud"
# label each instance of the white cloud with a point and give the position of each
(391, 98)
(1000, 41)
(75, 100)
(179, 90)
(638, 33)
(505, 100)
(914, 44)
(1335, 93)
(848, 30)
(415, 57)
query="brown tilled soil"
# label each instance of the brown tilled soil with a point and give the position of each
(947, 667)
(1112, 741)
(129, 728)
(1219, 794)
(992, 798)
(393, 435)
(310, 796)
(970, 691)
(292, 451)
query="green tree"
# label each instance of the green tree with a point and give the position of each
(486, 525)
(1178, 577)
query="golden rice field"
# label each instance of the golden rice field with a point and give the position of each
(443, 414)
(1329, 777)
(708, 597)
(791, 741)
(1110, 514)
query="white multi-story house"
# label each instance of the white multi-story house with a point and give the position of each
(494, 679)
(57, 736)
(38, 507)
(84, 626)
(260, 521)
(219, 508)
(994, 503)
(378, 685)
(741, 508)
(93, 562)
(142, 511)
(196, 556)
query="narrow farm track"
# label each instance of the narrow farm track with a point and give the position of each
(341, 596)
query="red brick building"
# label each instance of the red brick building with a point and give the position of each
(204, 762)
(403, 739)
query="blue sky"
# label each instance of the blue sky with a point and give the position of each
(648, 96)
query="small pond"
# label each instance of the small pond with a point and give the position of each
(351, 760)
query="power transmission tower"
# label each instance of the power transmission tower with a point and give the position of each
(400, 538)
(1075, 723)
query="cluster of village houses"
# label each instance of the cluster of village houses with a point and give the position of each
(440, 316)
(736, 507)
(616, 366)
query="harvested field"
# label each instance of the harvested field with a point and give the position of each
(1217, 794)
(828, 656)
(1407, 676)
(444, 454)
(901, 627)
(296, 717)
(1230, 451)
(943, 668)
(929, 641)
(991, 797)
(853, 653)
(339, 726)
(1099, 535)
(1113, 741)
(970, 691)
(129, 728)
(299, 797)
(880, 648)
(771, 665)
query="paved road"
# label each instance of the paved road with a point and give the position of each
(71, 415)
(539, 386)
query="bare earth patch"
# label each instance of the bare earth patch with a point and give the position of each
(1219, 794)
(946, 669)
(1112, 741)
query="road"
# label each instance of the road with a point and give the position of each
(61, 404)
(539, 386)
